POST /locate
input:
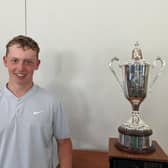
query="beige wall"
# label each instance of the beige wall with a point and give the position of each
(77, 39)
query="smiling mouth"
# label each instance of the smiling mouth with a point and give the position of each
(20, 75)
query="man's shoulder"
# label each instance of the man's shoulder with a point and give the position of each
(47, 94)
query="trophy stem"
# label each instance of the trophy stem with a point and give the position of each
(135, 119)
(135, 105)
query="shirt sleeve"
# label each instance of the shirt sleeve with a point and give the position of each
(60, 122)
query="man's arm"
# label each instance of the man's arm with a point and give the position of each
(65, 153)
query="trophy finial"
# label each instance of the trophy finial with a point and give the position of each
(137, 53)
(136, 44)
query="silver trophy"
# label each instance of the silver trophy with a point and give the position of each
(135, 135)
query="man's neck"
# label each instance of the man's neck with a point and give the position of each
(18, 90)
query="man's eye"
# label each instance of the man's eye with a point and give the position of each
(14, 60)
(28, 62)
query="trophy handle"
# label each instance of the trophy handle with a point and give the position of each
(162, 66)
(111, 66)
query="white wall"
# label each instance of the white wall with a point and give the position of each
(11, 23)
(77, 39)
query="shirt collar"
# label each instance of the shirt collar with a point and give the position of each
(27, 94)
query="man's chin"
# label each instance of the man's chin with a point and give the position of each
(23, 82)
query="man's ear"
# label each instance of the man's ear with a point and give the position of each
(5, 60)
(38, 64)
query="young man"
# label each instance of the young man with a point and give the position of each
(30, 116)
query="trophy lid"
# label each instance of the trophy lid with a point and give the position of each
(137, 57)
(136, 52)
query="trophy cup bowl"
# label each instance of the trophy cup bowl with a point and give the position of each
(135, 134)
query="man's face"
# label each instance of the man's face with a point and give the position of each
(21, 64)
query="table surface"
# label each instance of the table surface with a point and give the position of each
(89, 159)
(158, 155)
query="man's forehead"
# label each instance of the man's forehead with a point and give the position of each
(19, 49)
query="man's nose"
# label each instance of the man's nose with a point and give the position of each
(20, 66)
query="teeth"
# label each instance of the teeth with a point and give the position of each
(20, 75)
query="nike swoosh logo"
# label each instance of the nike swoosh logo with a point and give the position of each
(37, 112)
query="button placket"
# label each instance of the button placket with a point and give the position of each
(18, 107)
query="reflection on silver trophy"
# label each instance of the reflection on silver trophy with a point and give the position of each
(135, 135)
